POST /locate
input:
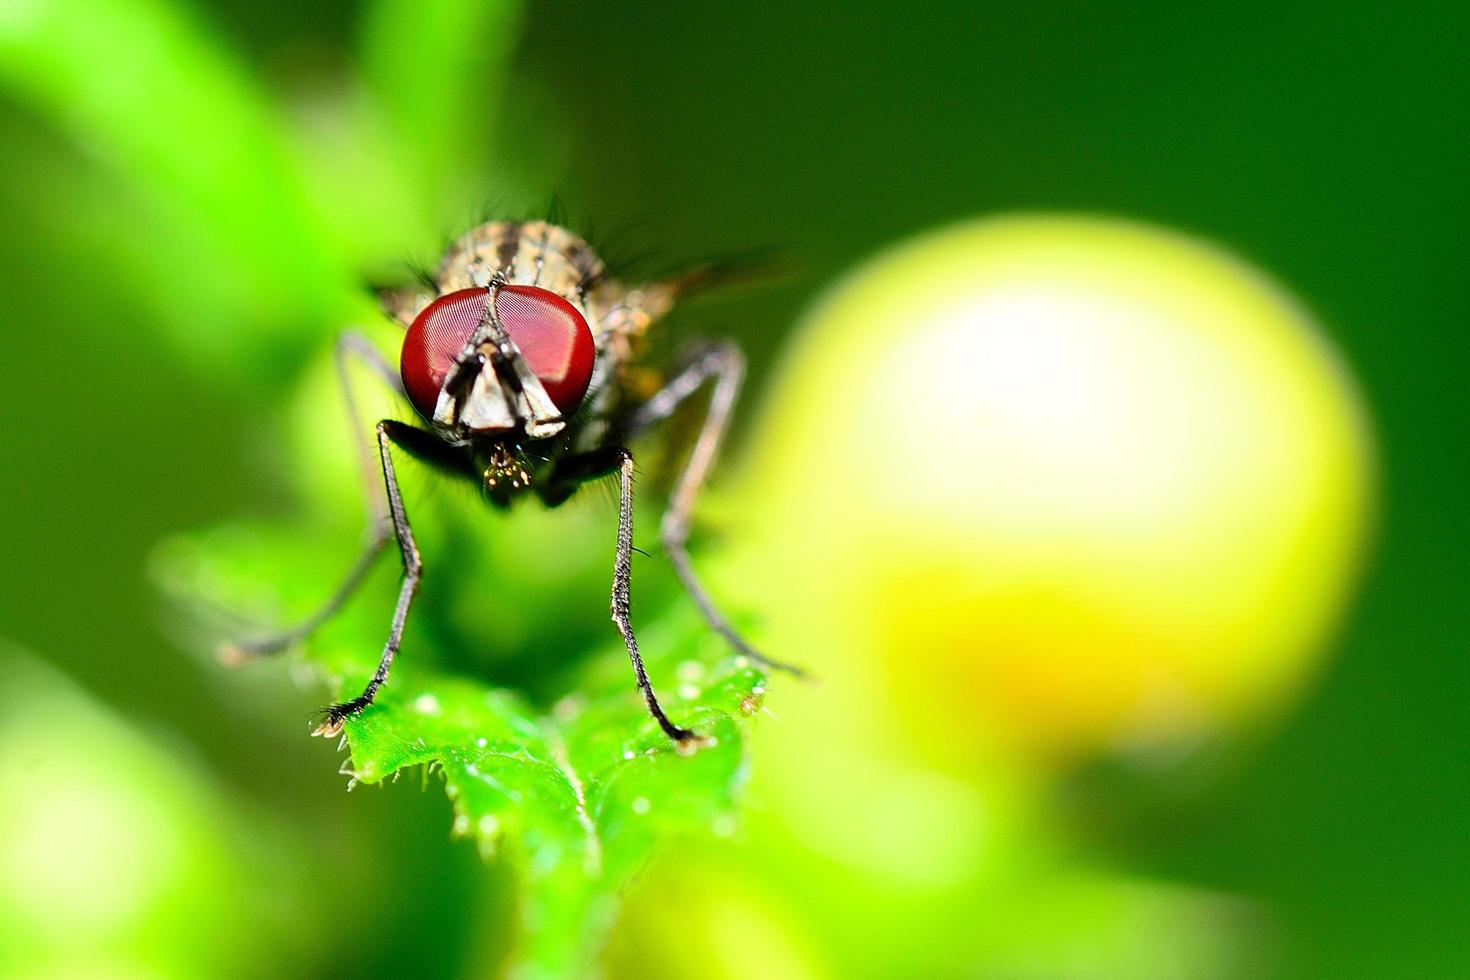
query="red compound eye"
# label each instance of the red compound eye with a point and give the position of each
(553, 338)
(434, 340)
(549, 332)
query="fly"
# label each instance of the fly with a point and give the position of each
(517, 362)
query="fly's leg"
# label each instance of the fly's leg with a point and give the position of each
(388, 433)
(570, 473)
(233, 653)
(622, 569)
(350, 344)
(725, 365)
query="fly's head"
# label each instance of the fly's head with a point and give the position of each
(500, 361)
(521, 326)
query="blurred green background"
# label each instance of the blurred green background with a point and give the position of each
(1324, 143)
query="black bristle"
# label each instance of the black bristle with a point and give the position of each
(423, 276)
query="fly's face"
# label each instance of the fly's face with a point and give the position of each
(498, 360)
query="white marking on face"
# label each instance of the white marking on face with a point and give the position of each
(491, 407)
(486, 407)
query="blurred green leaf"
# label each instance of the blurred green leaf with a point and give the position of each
(121, 856)
(437, 70)
(250, 220)
(169, 113)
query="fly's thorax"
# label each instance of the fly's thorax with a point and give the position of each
(530, 253)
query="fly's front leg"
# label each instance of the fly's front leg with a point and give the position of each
(388, 433)
(622, 570)
(569, 473)
(726, 366)
(350, 344)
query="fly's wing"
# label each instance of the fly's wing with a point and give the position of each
(737, 269)
(625, 312)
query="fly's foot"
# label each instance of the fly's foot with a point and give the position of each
(236, 653)
(686, 743)
(229, 654)
(335, 716)
(332, 721)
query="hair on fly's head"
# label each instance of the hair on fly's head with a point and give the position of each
(632, 251)
(423, 275)
(556, 212)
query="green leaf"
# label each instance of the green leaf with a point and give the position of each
(576, 793)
